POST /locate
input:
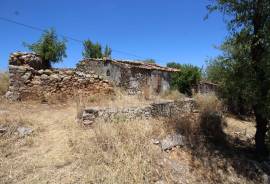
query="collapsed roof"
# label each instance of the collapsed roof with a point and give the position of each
(135, 64)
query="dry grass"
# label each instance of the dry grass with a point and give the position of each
(117, 100)
(118, 153)
(172, 95)
(4, 83)
(208, 102)
(209, 158)
(63, 151)
(211, 118)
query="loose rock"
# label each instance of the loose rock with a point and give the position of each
(171, 141)
(23, 131)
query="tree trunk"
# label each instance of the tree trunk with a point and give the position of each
(261, 129)
(262, 84)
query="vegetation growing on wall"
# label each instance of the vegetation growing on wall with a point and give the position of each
(49, 47)
(94, 50)
(150, 61)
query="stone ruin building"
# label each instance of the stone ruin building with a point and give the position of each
(31, 79)
(206, 87)
(135, 77)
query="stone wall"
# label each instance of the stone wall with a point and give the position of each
(154, 110)
(134, 77)
(29, 79)
(206, 87)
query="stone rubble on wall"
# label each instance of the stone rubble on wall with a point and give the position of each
(27, 82)
(23, 58)
(135, 77)
(154, 110)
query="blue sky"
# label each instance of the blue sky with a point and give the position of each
(166, 31)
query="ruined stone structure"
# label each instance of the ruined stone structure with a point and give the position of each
(30, 79)
(155, 110)
(135, 77)
(207, 87)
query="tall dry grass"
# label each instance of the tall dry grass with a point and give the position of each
(211, 118)
(4, 83)
(213, 157)
(172, 95)
(119, 152)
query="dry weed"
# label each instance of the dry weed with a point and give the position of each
(62, 151)
(211, 118)
(4, 83)
(172, 95)
(208, 102)
(119, 152)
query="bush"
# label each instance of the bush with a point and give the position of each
(4, 83)
(211, 120)
(186, 79)
(233, 82)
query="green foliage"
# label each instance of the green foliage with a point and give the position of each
(94, 50)
(49, 47)
(107, 52)
(248, 55)
(232, 74)
(187, 78)
(150, 61)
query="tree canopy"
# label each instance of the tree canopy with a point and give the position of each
(187, 78)
(94, 50)
(248, 56)
(49, 47)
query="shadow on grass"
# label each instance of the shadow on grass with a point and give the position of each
(217, 150)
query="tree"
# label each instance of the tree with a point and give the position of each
(150, 61)
(187, 78)
(249, 24)
(49, 48)
(92, 50)
(107, 52)
(225, 71)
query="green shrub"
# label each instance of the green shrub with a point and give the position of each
(186, 79)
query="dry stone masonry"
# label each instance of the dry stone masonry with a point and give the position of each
(31, 79)
(154, 110)
(134, 77)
